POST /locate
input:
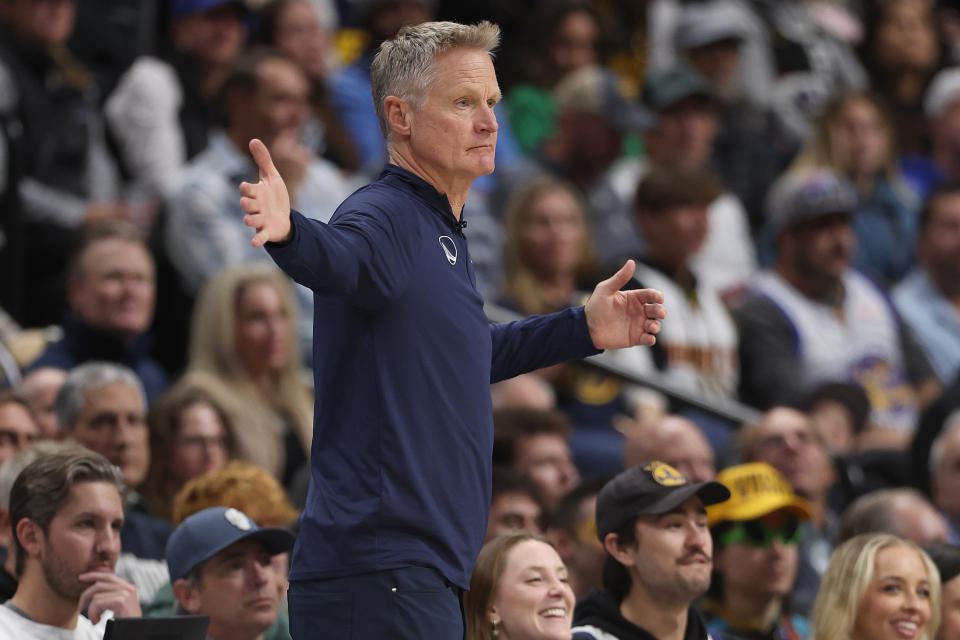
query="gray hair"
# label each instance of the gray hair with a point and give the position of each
(405, 66)
(92, 375)
(875, 512)
(44, 486)
(950, 424)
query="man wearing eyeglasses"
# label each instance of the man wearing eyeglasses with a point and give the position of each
(653, 525)
(756, 537)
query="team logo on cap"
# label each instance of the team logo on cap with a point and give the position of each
(665, 475)
(237, 519)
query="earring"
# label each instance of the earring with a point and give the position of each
(494, 629)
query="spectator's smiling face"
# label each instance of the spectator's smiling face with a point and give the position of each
(533, 600)
(896, 605)
(115, 289)
(453, 135)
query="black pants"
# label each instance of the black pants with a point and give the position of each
(412, 603)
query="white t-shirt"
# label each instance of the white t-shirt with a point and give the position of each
(15, 626)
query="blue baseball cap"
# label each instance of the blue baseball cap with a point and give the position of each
(208, 532)
(181, 8)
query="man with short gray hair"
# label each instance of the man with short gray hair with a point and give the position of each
(403, 353)
(102, 406)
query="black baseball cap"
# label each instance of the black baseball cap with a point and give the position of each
(649, 488)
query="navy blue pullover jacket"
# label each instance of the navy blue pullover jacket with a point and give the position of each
(403, 357)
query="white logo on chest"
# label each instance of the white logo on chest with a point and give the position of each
(449, 248)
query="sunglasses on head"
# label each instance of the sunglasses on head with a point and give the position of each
(760, 533)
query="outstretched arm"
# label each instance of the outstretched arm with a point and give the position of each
(611, 319)
(618, 319)
(266, 203)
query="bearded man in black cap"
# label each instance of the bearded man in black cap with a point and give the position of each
(653, 524)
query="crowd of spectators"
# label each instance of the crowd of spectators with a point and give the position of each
(787, 173)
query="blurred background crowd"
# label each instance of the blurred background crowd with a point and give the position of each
(786, 172)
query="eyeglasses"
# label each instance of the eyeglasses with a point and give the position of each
(761, 533)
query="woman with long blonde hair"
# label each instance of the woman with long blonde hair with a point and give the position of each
(244, 333)
(549, 257)
(878, 587)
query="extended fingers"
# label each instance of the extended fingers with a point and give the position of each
(654, 310)
(248, 189)
(260, 239)
(250, 205)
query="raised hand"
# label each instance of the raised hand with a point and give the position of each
(267, 203)
(618, 319)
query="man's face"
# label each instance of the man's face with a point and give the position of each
(674, 554)
(84, 536)
(115, 288)
(17, 430)
(113, 424)
(759, 572)
(786, 440)
(46, 22)
(823, 247)
(946, 477)
(279, 105)
(514, 511)
(454, 135)
(684, 133)
(675, 234)
(940, 240)
(300, 36)
(545, 459)
(239, 589)
(214, 37)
